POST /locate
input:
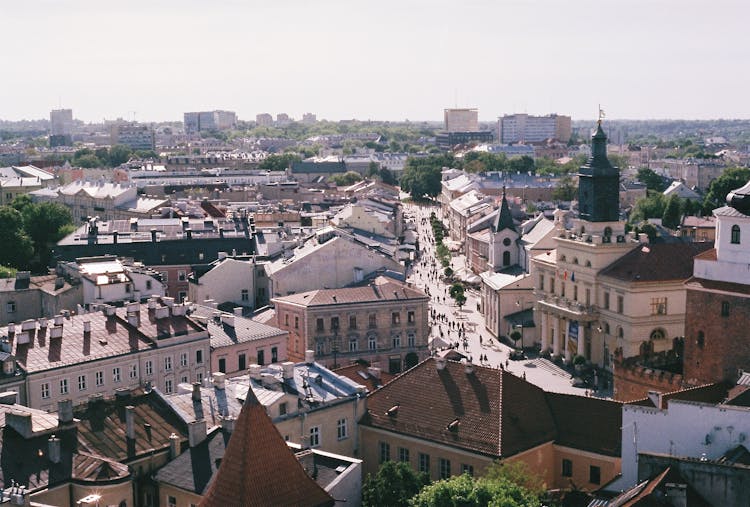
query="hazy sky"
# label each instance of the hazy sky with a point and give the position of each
(384, 60)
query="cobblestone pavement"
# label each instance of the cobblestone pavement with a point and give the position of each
(425, 274)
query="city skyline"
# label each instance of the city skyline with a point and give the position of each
(390, 61)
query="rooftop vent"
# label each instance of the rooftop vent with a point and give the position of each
(393, 411)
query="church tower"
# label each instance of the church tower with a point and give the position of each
(599, 184)
(503, 248)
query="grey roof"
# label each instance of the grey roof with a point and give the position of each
(728, 211)
(244, 330)
(192, 470)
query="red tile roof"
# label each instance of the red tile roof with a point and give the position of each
(361, 375)
(590, 424)
(657, 262)
(259, 469)
(381, 289)
(715, 286)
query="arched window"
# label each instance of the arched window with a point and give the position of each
(607, 232)
(736, 234)
(506, 258)
(620, 333)
(657, 334)
(575, 260)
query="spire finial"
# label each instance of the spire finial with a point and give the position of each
(601, 115)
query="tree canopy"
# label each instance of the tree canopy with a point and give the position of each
(466, 491)
(345, 179)
(566, 189)
(279, 162)
(392, 486)
(422, 176)
(719, 188)
(652, 180)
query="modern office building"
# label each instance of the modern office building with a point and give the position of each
(209, 120)
(461, 120)
(61, 127)
(524, 128)
(133, 135)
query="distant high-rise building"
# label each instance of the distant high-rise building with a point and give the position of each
(263, 120)
(461, 120)
(283, 119)
(209, 120)
(309, 118)
(61, 127)
(523, 128)
(133, 135)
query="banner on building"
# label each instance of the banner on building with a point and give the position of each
(573, 330)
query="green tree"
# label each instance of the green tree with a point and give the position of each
(45, 224)
(346, 179)
(17, 246)
(652, 180)
(422, 176)
(458, 294)
(649, 230)
(119, 154)
(517, 472)
(279, 162)
(392, 486)
(565, 190)
(465, 491)
(651, 206)
(671, 216)
(719, 188)
(87, 161)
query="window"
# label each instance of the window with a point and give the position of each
(506, 258)
(385, 452)
(352, 322)
(241, 362)
(168, 386)
(223, 364)
(552, 284)
(45, 390)
(245, 296)
(116, 374)
(595, 474)
(410, 317)
(274, 354)
(127, 288)
(606, 300)
(148, 284)
(183, 359)
(411, 340)
(372, 320)
(467, 469)
(567, 468)
(181, 276)
(296, 322)
(199, 356)
(562, 289)
(164, 275)
(353, 345)
(371, 343)
(395, 318)
(319, 325)
(658, 306)
(620, 304)
(424, 463)
(736, 234)
(199, 377)
(445, 468)
(725, 308)
(334, 323)
(261, 357)
(396, 339)
(81, 382)
(541, 282)
(403, 454)
(168, 363)
(64, 386)
(320, 348)
(184, 379)
(10, 307)
(341, 429)
(282, 408)
(149, 368)
(315, 436)
(181, 296)
(171, 501)
(286, 319)
(575, 292)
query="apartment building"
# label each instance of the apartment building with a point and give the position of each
(525, 128)
(461, 120)
(133, 135)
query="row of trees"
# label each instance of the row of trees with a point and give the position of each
(107, 157)
(28, 231)
(503, 485)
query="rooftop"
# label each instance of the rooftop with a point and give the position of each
(380, 289)
(656, 262)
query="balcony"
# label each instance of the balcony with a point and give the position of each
(575, 310)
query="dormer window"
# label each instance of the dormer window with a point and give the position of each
(735, 234)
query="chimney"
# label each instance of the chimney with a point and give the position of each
(254, 371)
(134, 307)
(162, 312)
(19, 421)
(153, 235)
(189, 233)
(196, 432)
(114, 237)
(28, 325)
(152, 304)
(11, 327)
(130, 422)
(178, 309)
(134, 320)
(196, 391)
(23, 337)
(54, 449)
(227, 424)
(109, 311)
(59, 319)
(122, 394)
(469, 367)
(440, 363)
(174, 446)
(287, 369)
(374, 372)
(219, 380)
(309, 357)
(238, 311)
(221, 255)
(55, 332)
(64, 411)
(42, 323)
(86, 326)
(168, 301)
(227, 319)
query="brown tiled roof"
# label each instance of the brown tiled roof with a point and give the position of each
(709, 393)
(738, 396)
(708, 255)
(360, 375)
(590, 424)
(498, 413)
(258, 469)
(656, 262)
(381, 289)
(713, 285)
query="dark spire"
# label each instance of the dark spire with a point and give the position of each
(599, 183)
(504, 218)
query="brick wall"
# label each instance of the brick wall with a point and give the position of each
(633, 382)
(724, 345)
